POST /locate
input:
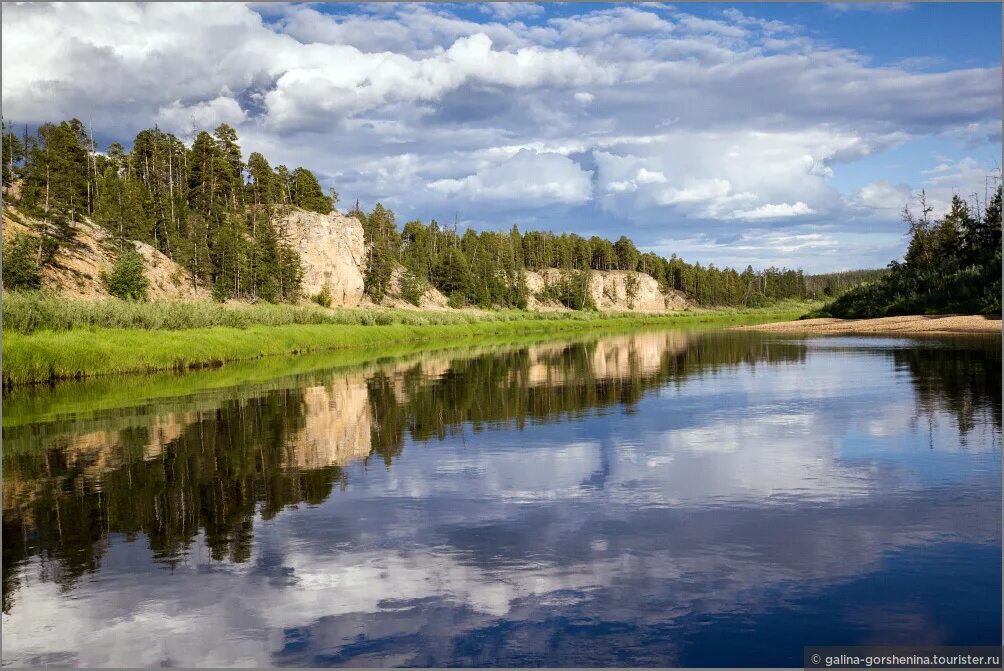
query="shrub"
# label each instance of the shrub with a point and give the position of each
(323, 297)
(20, 265)
(456, 300)
(758, 300)
(128, 279)
(631, 286)
(412, 288)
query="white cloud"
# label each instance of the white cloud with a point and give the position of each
(882, 196)
(775, 211)
(179, 118)
(528, 178)
(725, 175)
(725, 113)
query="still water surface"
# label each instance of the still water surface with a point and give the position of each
(661, 498)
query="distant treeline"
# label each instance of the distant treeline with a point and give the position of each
(487, 268)
(953, 265)
(217, 217)
(832, 285)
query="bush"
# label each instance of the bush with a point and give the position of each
(20, 265)
(758, 300)
(128, 279)
(456, 300)
(631, 287)
(323, 297)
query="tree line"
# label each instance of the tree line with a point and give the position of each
(487, 268)
(218, 217)
(952, 264)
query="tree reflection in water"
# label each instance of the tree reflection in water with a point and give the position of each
(171, 475)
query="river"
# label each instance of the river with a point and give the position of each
(661, 498)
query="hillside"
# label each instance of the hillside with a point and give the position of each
(81, 258)
(332, 253)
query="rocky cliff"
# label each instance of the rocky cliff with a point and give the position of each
(611, 291)
(332, 252)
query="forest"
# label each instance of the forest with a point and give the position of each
(221, 219)
(952, 265)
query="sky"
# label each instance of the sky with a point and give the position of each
(726, 133)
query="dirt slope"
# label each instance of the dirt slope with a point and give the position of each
(80, 261)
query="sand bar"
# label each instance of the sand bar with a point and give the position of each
(922, 324)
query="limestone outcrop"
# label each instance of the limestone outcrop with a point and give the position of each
(611, 291)
(332, 251)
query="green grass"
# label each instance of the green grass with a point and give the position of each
(77, 402)
(86, 339)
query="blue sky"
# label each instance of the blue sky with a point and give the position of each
(764, 133)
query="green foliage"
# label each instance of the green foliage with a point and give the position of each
(323, 297)
(128, 279)
(203, 207)
(488, 268)
(412, 287)
(631, 286)
(382, 244)
(832, 285)
(952, 265)
(571, 290)
(190, 340)
(21, 269)
(306, 192)
(12, 155)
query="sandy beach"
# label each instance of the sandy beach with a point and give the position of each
(913, 324)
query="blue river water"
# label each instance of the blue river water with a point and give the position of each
(662, 498)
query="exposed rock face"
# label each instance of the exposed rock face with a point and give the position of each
(332, 251)
(535, 283)
(336, 427)
(76, 270)
(612, 291)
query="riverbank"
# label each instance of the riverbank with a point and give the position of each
(83, 350)
(907, 325)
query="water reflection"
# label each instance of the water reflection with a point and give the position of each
(589, 503)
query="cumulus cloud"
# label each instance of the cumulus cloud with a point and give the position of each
(184, 119)
(775, 211)
(725, 175)
(882, 196)
(528, 177)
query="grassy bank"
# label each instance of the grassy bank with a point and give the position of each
(89, 339)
